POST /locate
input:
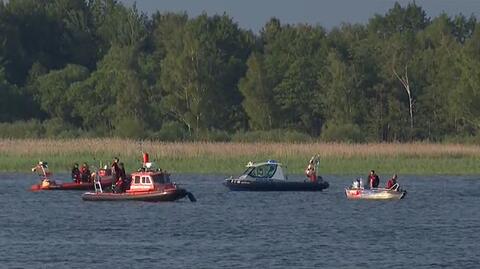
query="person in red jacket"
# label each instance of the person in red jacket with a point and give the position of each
(373, 180)
(392, 182)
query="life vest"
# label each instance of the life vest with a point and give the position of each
(45, 183)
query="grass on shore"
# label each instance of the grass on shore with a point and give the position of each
(230, 158)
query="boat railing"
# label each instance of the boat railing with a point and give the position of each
(394, 187)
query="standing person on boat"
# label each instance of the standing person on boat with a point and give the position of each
(76, 173)
(85, 173)
(42, 169)
(310, 171)
(121, 183)
(115, 172)
(115, 168)
(373, 180)
(392, 182)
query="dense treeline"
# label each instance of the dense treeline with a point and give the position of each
(73, 68)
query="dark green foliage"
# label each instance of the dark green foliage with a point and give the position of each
(71, 68)
(259, 99)
(53, 91)
(22, 129)
(276, 135)
(200, 73)
(171, 131)
(344, 133)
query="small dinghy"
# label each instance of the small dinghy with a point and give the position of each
(48, 184)
(375, 194)
(74, 186)
(148, 184)
(269, 176)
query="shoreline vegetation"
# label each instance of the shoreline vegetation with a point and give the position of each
(19, 155)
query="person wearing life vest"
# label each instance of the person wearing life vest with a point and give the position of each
(310, 171)
(373, 179)
(85, 174)
(392, 182)
(76, 173)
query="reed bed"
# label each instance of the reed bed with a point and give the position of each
(200, 149)
(214, 157)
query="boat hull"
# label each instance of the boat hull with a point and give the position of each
(148, 196)
(374, 194)
(72, 186)
(271, 185)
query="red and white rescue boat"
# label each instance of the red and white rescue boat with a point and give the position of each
(148, 184)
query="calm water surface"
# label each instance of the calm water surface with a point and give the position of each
(435, 226)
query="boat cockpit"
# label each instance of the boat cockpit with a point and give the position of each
(265, 170)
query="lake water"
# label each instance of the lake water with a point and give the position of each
(435, 226)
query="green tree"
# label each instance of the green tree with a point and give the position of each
(117, 25)
(293, 56)
(111, 100)
(10, 99)
(200, 73)
(54, 93)
(258, 101)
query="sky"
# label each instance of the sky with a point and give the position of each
(253, 14)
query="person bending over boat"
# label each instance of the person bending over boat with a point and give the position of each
(85, 174)
(310, 171)
(392, 182)
(373, 180)
(76, 173)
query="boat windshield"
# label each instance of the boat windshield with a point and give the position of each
(263, 171)
(248, 170)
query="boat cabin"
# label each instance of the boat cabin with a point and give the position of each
(270, 169)
(148, 181)
(148, 178)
